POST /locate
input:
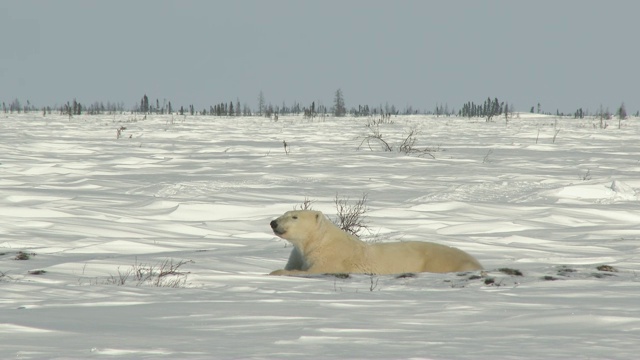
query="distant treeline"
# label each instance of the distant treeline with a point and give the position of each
(489, 109)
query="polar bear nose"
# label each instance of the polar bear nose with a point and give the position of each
(274, 224)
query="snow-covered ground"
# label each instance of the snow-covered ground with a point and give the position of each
(196, 195)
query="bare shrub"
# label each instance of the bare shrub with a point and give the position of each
(163, 274)
(119, 131)
(383, 119)
(306, 204)
(121, 279)
(373, 284)
(486, 157)
(375, 136)
(350, 217)
(408, 145)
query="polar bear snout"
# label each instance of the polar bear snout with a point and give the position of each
(276, 230)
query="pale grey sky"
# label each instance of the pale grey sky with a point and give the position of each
(563, 54)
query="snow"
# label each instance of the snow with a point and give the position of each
(87, 208)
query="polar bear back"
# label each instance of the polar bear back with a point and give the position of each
(419, 256)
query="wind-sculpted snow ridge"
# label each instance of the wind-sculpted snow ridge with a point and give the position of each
(157, 244)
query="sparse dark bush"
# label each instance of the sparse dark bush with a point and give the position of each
(21, 255)
(406, 275)
(512, 272)
(607, 268)
(341, 275)
(565, 271)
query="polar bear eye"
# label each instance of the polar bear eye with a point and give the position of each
(295, 217)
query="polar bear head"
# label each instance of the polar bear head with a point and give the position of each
(299, 226)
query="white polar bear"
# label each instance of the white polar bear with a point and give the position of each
(320, 247)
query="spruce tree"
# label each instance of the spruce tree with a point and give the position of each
(339, 108)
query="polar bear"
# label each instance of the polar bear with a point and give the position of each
(320, 247)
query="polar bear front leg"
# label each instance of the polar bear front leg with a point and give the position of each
(296, 261)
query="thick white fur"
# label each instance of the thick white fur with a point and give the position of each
(321, 247)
